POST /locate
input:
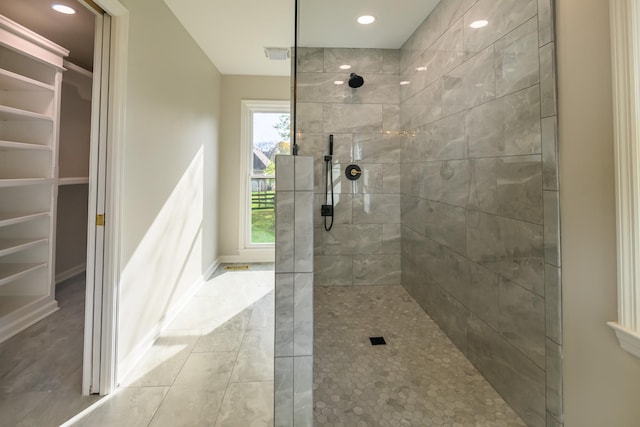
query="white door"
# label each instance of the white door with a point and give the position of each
(92, 381)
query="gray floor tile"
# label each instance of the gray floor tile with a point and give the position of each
(131, 407)
(247, 404)
(418, 379)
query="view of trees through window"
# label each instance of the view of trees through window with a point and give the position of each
(271, 137)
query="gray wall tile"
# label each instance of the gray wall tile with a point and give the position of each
(309, 118)
(414, 213)
(517, 59)
(284, 315)
(303, 173)
(552, 228)
(470, 84)
(283, 392)
(446, 224)
(552, 422)
(503, 15)
(303, 249)
(334, 270)
(357, 118)
(391, 118)
(547, 80)
(285, 173)
(351, 239)
(522, 320)
(554, 379)
(483, 186)
(342, 212)
(376, 148)
(302, 391)
(441, 140)
(511, 248)
(310, 59)
(550, 153)
(553, 302)
(520, 188)
(510, 372)
(361, 60)
(546, 21)
(376, 269)
(376, 208)
(284, 231)
(303, 314)
(423, 107)
(505, 127)
(391, 238)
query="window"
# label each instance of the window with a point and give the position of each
(625, 39)
(266, 134)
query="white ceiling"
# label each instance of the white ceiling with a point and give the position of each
(233, 33)
(332, 23)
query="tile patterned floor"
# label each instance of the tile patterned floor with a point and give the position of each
(418, 379)
(212, 367)
(41, 367)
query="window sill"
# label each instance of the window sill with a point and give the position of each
(629, 340)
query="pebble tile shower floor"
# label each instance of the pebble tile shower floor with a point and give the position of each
(419, 378)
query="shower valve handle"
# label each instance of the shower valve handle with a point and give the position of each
(353, 172)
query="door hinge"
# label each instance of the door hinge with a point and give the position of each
(100, 220)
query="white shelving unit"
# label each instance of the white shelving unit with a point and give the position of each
(30, 77)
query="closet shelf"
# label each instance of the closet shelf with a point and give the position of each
(15, 114)
(19, 182)
(11, 145)
(73, 181)
(11, 272)
(15, 82)
(10, 246)
(17, 218)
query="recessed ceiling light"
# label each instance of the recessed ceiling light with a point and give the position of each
(338, 82)
(345, 67)
(404, 82)
(421, 69)
(479, 24)
(366, 19)
(63, 9)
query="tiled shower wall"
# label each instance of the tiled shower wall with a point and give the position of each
(363, 247)
(293, 349)
(480, 232)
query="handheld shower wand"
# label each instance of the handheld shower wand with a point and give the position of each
(327, 209)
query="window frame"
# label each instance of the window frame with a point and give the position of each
(625, 54)
(248, 109)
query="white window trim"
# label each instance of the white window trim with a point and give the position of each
(625, 44)
(248, 107)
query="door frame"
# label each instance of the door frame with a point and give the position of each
(101, 331)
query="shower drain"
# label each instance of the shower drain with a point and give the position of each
(377, 341)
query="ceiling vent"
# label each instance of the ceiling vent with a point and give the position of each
(277, 53)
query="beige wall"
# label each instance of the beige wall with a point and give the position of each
(602, 382)
(169, 179)
(235, 89)
(73, 161)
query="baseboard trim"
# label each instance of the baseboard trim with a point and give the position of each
(69, 273)
(39, 310)
(249, 256)
(126, 367)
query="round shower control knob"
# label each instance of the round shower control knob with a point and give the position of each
(353, 172)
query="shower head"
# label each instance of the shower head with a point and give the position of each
(355, 81)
